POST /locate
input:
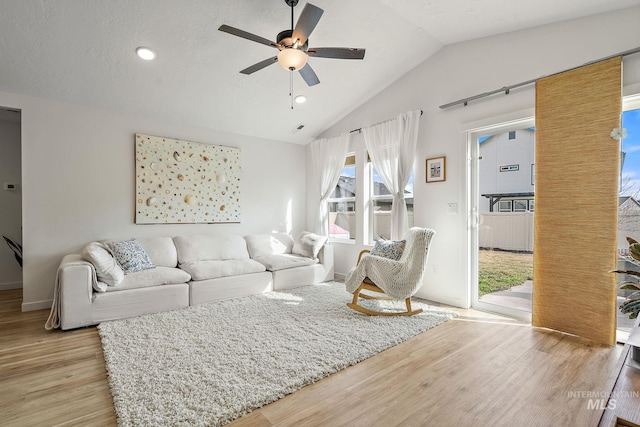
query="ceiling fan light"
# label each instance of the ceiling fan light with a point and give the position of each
(290, 58)
(146, 53)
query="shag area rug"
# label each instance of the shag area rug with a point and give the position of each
(210, 364)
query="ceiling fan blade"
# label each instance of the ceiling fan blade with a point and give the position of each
(306, 23)
(336, 52)
(308, 75)
(260, 65)
(246, 35)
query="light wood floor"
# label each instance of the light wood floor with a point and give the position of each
(476, 370)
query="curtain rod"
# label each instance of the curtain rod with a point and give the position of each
(506, 89)
(359, 130)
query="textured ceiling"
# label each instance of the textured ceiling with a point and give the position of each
(82, 52)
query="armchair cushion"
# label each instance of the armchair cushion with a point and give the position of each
(389, 248)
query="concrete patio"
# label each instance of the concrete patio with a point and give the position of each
(519, 297)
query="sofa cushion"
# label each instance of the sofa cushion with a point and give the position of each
(282, 261)
(209, 248)
(107, 269)
(211, 269)
(308, 244)
(152, 277)
(131, 257)
(261, 245)
(161, 250)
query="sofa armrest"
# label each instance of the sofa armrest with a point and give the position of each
(75, 276)
(325, 256)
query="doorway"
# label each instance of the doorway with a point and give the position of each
(502, 205)
(10, 198)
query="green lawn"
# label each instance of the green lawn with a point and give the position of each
(499, 270)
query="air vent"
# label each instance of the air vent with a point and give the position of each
(297, 129)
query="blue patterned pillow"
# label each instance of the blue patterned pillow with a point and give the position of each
(389, 249)
(130, 256)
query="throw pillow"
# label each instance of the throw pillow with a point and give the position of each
(130, 255)
(308, 244)
(107, 269)
(389, 249)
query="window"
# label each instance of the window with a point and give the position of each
(505, 205)
(519, 205)
(381, 202)
(512, 134)
(342, 203)
(531, 205)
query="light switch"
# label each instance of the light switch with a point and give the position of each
(452, 208)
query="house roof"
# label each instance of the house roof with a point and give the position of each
(83, 52)
(623, 199)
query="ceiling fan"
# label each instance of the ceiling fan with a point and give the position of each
(293, 45)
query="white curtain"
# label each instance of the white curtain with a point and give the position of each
(392, 147)
(327, 160)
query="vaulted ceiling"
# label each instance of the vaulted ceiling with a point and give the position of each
(83, 52)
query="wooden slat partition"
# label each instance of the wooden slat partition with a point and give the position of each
(577, 173)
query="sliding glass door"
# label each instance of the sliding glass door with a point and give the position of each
(628, 205)
(502, 201)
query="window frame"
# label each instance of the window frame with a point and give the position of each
(350, 160)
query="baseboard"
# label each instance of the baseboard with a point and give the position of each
(10, 285)
(36, 305)
(453, 302)
(339, 277)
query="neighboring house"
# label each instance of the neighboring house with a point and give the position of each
(628, 221)
(507, 171)
(628, 203)
(342, 220)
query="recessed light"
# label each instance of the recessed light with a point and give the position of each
(301, 99)
(146, 53)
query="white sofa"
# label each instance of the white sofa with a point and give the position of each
(188, 270)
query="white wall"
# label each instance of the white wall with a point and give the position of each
(10, 203)
(78, 172)
(464, 70)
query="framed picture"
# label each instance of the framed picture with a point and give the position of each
(185, 182)
(436, 169)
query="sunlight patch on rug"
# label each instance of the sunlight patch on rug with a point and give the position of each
(210, 364)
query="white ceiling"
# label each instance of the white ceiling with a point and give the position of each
(82, 51)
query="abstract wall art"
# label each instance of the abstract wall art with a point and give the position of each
(184, 182)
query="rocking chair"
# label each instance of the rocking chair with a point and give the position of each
(397, 280)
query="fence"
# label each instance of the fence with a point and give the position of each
(509, 231)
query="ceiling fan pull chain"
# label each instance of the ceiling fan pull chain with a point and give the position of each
(291, 86)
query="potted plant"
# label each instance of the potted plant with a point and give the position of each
(631, 305)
